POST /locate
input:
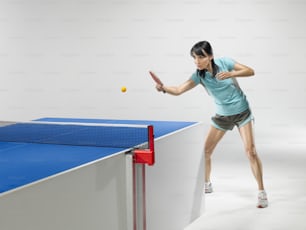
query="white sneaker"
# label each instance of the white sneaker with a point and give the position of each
(262, 200)
(208, 187)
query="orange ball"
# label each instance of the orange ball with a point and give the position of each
(123, 89)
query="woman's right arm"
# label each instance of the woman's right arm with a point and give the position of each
(177, 90)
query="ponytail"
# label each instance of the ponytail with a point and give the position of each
(214, 67)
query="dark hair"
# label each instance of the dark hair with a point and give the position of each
(197, 49)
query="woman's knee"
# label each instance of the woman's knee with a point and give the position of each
(251, 152)
(208, 151)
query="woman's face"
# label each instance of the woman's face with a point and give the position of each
(202, 61)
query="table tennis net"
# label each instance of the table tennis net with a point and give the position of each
(79, 134)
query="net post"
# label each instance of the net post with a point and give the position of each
(146, 156)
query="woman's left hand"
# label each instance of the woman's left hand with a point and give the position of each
(224, 75)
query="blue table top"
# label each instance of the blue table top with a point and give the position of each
(24, 163)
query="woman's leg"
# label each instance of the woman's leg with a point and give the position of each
(247, 136)
(212, 139)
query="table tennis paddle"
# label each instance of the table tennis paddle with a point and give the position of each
(155, 78)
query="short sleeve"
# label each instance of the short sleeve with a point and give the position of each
(228, 62)
(195, 78)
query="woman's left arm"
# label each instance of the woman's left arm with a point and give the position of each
(239, 70)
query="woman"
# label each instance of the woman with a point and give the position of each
(232, 108)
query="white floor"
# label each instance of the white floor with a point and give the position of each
(232, 205)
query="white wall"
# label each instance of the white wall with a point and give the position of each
(69, 58)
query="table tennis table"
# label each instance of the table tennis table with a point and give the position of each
(60, 186)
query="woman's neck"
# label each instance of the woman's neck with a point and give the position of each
(209, 68)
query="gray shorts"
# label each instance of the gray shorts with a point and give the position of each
(229, 122)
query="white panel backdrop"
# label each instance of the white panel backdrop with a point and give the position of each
(69, 58)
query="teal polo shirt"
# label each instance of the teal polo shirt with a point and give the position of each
(228, 96)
